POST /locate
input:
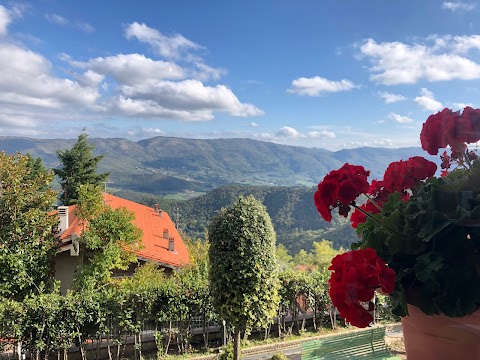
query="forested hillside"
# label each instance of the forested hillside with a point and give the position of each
(292, 210)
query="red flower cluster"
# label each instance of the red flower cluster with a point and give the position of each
(448, 128)
(339, 189)
(356, 276)
(403, 175)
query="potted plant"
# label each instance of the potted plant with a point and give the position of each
(419, 240)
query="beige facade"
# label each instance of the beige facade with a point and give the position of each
(65, 267)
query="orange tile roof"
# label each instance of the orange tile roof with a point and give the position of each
(153, 225)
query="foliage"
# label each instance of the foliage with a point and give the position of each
(227, 353)
(243, 275)
(78, 167)
(324, 252)
(109, 240)
(26, 228)
(279, 356)
(284, 259)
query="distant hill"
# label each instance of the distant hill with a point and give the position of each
(189, 167)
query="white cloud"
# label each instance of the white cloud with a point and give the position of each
(145, 132)
(391, 98)
(151, 109)
(321, 134)
(203, 72)
(131, 69)
(56, 19)
(463, 44)
(398, 63)
(458, 5)
(317, 85)
(26, 79)
(123, 85)
(191, 96)
(383, 142)
(91, 78)
(288, 132)
(5, 20)
(399, 118)
(63, 21)
(170, 47)
(253, 124)
(461, 106)
(427, 101)
(85, 27)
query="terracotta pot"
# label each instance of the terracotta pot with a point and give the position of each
(439, 337)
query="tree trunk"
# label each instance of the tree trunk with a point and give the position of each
(99, 341)
(236, 344)
(80, 344)
(140, 345)
(279, 325)
(204, 332)
(169, 338)
(109, 350)
(19, 349)
(135, 347)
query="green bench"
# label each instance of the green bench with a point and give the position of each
(364, 344)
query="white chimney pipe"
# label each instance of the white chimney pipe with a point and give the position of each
(62, 219)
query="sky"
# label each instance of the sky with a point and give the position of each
(329, 74)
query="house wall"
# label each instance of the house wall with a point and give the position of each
(65, 266)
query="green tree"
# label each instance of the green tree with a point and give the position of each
(303, 258)
(108, 239)
(323, 253)
(78, 166)
(284, 259)
(243, 274)
(26, 228)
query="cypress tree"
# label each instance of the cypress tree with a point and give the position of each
(78, 167)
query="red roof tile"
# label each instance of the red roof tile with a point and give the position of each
(154, 226)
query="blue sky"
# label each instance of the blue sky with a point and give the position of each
(331, 74)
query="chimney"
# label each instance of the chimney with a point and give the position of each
(155, 207)
(171, 244)
(62, 219)
(160, 213)
(165, 233)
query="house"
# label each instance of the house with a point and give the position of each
(161, 242)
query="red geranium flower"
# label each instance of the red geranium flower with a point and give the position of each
(356, 275)
(448, 128)
(340, 187)
(403, 175)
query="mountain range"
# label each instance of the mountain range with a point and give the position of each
(185, 168)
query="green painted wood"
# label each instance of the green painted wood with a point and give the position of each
(366, 344)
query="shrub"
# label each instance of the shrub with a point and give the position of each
(227, 354)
